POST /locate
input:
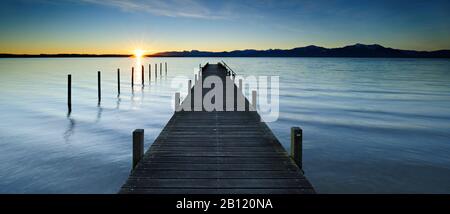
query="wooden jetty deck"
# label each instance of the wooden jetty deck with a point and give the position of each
(216, 152)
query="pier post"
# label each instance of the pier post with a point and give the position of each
(297, 146)
(99, 87)
(138, 146)
(118, 81)
(132, 76)
(254, 100)
(142, 74)
(160, 69)
(189, 86)
(156, 70)
(69, 92)
(177, 101)
(165, 67)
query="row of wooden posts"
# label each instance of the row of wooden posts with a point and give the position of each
(296, 146)
(177, 95)
(149, 72)
(99, 95)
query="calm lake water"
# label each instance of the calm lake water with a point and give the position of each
(370, 125)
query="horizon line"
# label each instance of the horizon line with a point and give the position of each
(224, 51)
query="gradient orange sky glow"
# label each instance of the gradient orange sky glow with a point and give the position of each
(120, 27)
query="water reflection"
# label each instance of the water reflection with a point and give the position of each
(70, 129)
(118, 102)
(99, 113)
(132, 98)
(142, 94)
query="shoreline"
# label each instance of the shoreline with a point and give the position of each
(11, 56)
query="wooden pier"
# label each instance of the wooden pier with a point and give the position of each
(216, 152)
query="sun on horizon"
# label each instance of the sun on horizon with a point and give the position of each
(138, 53)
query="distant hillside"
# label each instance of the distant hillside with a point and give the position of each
(4, 55)
(357, 50)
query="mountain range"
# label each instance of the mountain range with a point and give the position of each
(357, 50)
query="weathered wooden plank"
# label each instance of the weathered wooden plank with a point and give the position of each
(233, 144)
(207, 149)
(210, 138)
(216, 191)
(177, 174)
(185, 159)
(217, 183)
(220, 154)
(218, 166)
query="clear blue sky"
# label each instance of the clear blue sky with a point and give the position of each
(102, 26)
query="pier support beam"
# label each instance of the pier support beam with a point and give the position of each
(138, 146)
(160, 69)
(99, 89)
(69, 93)
(165, 67)
(156, 70)
(297, 146)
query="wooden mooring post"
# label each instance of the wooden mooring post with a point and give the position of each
(142, 74)
(138, 146)
(156, 70)
(69, 92)
(99, 89)
(118, 81)
(297, 146)
(132, 76)
(160, 69)
(165, 67)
